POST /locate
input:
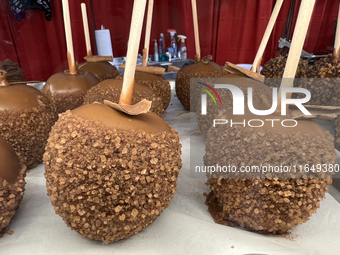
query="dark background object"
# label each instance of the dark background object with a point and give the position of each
(19, 7)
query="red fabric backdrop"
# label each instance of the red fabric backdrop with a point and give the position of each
(229, 30)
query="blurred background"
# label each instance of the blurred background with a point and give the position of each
(229, 30)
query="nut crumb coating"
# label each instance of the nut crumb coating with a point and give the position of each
(109, 184)
(65, 101)
(11, 196)
(27, 130)
(161, 89)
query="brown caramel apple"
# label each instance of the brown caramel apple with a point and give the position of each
(158, 84)
(67, 90)
(103, 70)
(261, 94)
(109, 174)
(26, 118)
(12, 184)
(198, 70)
(274, 68)
(269, 204)
(110, 90)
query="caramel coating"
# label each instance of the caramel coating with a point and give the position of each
(10, 165)
(12, 184)
(26, 118)
(267, 205)
(149, 122)
(67, 91)
(261, 94)
(111, 89)
(109, 183)
(103, 70)
(148, 76)
(198, 70)
(158, 84)
(25, 97)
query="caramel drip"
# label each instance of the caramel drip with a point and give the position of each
(127, 93)
(71, 64)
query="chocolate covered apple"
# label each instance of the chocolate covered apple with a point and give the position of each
(274, 68)
(97, 65)
(111, 169)
(149, 75)
(242, 79)
(158, 84)
(12, 184)
(270, 205)
(202, 69)
(270, 202)
(261, 93)
(111, 90)
(67, 89)
(26, 118)
(101, 69)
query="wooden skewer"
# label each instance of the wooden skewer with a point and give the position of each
(299, 36)
(257, 61)
(336, 52)
(68, 33)
(131, 58)
(147, 34)
(86, 29)
(197, 36)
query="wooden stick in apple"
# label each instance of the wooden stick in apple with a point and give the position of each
(257, 61)
(69, 41)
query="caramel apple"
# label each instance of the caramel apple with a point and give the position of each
(12, 184)
(264, 200)
(26, 118)
(102, 70)
(67, 91)
(198, 70)
(111, 90)
(269, 205)
(110, 173)
(157, 83)
(261, 93)
(275, 67)
(96, 65)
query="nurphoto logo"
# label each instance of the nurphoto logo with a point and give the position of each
(239, 103)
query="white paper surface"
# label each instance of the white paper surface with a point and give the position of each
(184, 228)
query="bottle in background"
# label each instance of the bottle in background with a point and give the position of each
(162, 51)
(155, 54)
(172, 49)
(183, 48)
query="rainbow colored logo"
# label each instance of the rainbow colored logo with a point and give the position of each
(209, 93)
